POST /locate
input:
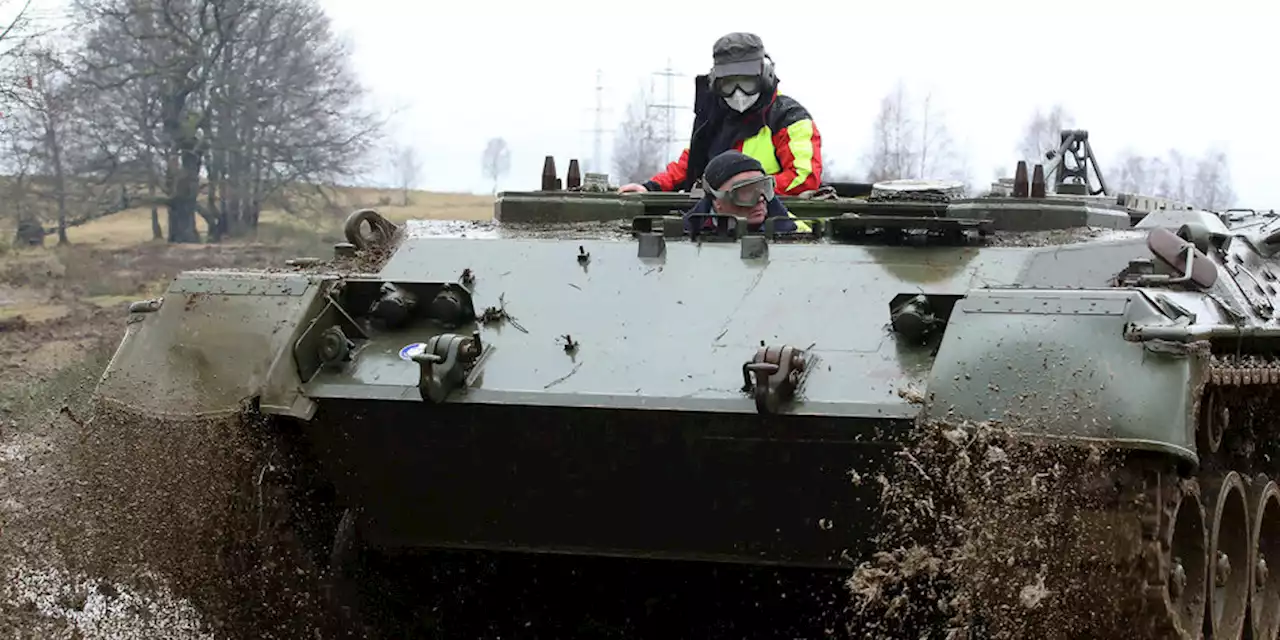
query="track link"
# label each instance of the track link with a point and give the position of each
(1237, 437)
(1134, 544)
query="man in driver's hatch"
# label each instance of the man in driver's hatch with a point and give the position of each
(737, 106)
(737, 185)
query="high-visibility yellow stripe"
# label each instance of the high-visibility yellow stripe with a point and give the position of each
(760, 147)
(801, 145)
(801, 226)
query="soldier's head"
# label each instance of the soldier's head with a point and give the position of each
(742, 70)
(738, 186)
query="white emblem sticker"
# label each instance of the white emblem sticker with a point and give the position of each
(409, 351)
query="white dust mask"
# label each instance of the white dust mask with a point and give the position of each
(741, 101)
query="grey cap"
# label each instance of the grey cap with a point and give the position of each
(738, 54)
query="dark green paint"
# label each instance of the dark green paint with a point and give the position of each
(647, 416)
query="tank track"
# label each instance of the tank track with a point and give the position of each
(1207, 538)
(1126, 543)
(1237, 439)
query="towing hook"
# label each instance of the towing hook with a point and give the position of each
(443, 364)
(761, 371)
(772, 376)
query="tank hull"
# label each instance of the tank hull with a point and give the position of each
(737, 399)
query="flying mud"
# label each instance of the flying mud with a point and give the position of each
(211, 504)
(991, 535)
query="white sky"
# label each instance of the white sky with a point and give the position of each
(1137, 74)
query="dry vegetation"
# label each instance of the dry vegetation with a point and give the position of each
(133, 226)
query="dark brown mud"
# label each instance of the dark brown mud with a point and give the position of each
(116, 526)
(988, 536)
(205, 502)
(40, 596)
(188, 519)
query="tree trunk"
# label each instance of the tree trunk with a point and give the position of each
(182, 170)
(182, 221)
(216, 218)
(156, 232)
(183, 201)
(53, 146)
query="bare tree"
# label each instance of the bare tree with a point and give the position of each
(9, 28)
(893, 154)
(407, 168)
(1043, 133)
(1211, 185)
(176, 43)
(13, 35)
(638, 148)
(1133, 173)
(255, 95)
(912, 140)
(14, 27)
(1153, 175)
(1204, 182)
(48, 106)
(832, 172)
(47, 124)
(496, 160)
(287, 111)
(19, 159)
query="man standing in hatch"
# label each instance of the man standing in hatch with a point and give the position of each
(737, 106)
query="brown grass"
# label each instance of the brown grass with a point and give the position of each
(34, 312)
(133, 227)
(114, 260)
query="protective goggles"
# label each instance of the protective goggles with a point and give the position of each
(726, 86)
(745, 193)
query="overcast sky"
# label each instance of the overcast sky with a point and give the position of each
(1138, 74)
(1135, 73)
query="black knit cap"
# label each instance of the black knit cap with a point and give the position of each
(727, 165)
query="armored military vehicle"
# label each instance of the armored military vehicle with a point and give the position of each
(589, 375)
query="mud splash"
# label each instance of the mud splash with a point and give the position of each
(59, 604)
(989, 536)
(123, 527)
(204, 502)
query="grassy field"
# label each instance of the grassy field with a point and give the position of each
(114, 260)
(133, 227)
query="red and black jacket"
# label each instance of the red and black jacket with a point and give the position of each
(779, 133)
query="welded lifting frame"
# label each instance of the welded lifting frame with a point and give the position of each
(1075, 142)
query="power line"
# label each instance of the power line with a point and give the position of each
(597, 164)
(668, 106)
(597, 156)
